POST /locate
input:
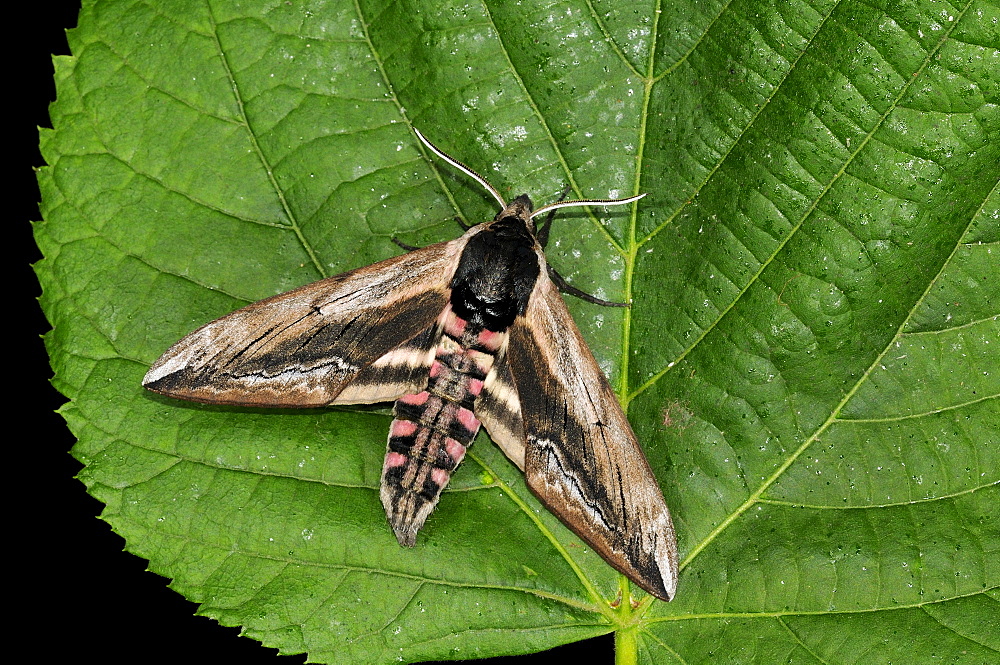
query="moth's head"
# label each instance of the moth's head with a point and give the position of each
(519, 209)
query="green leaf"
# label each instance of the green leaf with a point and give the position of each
(811, 359)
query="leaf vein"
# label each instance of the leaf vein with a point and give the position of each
(258, 149)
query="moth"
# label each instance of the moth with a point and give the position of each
(460, 333)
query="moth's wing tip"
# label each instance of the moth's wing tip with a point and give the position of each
(658, 583)
(649, 576)
(164, 381)
(161, 375)
(152, 376)
(664, 592)
(154, 383)
(662, 574)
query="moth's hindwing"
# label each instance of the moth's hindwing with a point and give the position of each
(499, 409)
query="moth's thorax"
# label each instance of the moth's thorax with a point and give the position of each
(498, 269)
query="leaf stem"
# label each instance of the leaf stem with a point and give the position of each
(626, 644)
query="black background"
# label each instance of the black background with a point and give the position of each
(80, 596)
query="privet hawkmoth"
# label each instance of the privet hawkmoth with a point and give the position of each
(458, 334)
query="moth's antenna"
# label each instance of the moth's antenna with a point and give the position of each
(461, 167)
(586, 202)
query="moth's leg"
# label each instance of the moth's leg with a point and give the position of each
(566, 287)
(543, 228)
(465, 227)
(402, 244)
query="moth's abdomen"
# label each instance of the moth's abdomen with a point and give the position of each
(433, 428)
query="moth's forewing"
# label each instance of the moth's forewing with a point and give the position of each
(305, 347)
(582, 459)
